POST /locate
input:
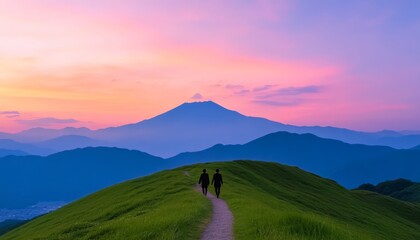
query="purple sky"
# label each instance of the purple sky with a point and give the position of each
(351, 64)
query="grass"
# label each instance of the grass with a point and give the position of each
(268, 201)
(271, 201)
(8, 225)
(161, 206)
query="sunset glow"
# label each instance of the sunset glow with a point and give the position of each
(80, 63)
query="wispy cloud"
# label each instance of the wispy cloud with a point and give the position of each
(48, 121)
(10, 114)
(234, 86)
(242, 92)
(292, 91)
(280, 103)
(263, 88)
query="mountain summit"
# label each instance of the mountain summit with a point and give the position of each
(206, 108)
(196, 111)
(189, 127)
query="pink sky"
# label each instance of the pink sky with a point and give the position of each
(103, 63)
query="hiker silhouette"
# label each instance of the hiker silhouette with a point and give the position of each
(205, 181)
(217, 181)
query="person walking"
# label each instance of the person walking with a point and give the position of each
(204, 181)
(217, 181)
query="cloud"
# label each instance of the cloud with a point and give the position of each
(46, 121)
(292, 91)
(197, 96)
(234, 86)
(263, 88)
(242, 92)
(287, 103)
(10, 114)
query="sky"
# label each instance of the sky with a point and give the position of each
(352, 64)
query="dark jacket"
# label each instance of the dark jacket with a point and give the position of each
(217, 180)
(204, 180)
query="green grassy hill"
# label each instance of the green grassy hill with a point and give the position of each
(268, 201)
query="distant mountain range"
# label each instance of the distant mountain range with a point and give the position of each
(18, 147)
(189, 127)
(416, 148)
(7, 152)
(69, 175)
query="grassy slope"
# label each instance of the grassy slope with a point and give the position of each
(8, 225)
(160, 206)
(268, 200)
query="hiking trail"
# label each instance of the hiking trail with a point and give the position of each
(220, 225)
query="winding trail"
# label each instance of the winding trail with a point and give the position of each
(220, 226)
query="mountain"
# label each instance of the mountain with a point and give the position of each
(393, 165)
(307, 151)
(69, 142)
(407, 141)
(188, 127)
(69, 175)
(268, 201)
(329, 158)
(7, 152)
(410, 132)
(43, 134)
(416, 148)
(23, 147)
(198, 125)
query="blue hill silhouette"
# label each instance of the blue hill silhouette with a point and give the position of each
(326, 157)
(71, 142)
(7, 144)
(7, 152)
(416, 148)
(396, 164)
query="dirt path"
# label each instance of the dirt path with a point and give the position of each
(220, 226)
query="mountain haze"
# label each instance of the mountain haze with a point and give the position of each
(11, 145)
(193, 127)
(7, 152)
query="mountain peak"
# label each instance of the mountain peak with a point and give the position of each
(201, 104)
(200, 110)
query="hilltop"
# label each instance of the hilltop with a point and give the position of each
(268, 201)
